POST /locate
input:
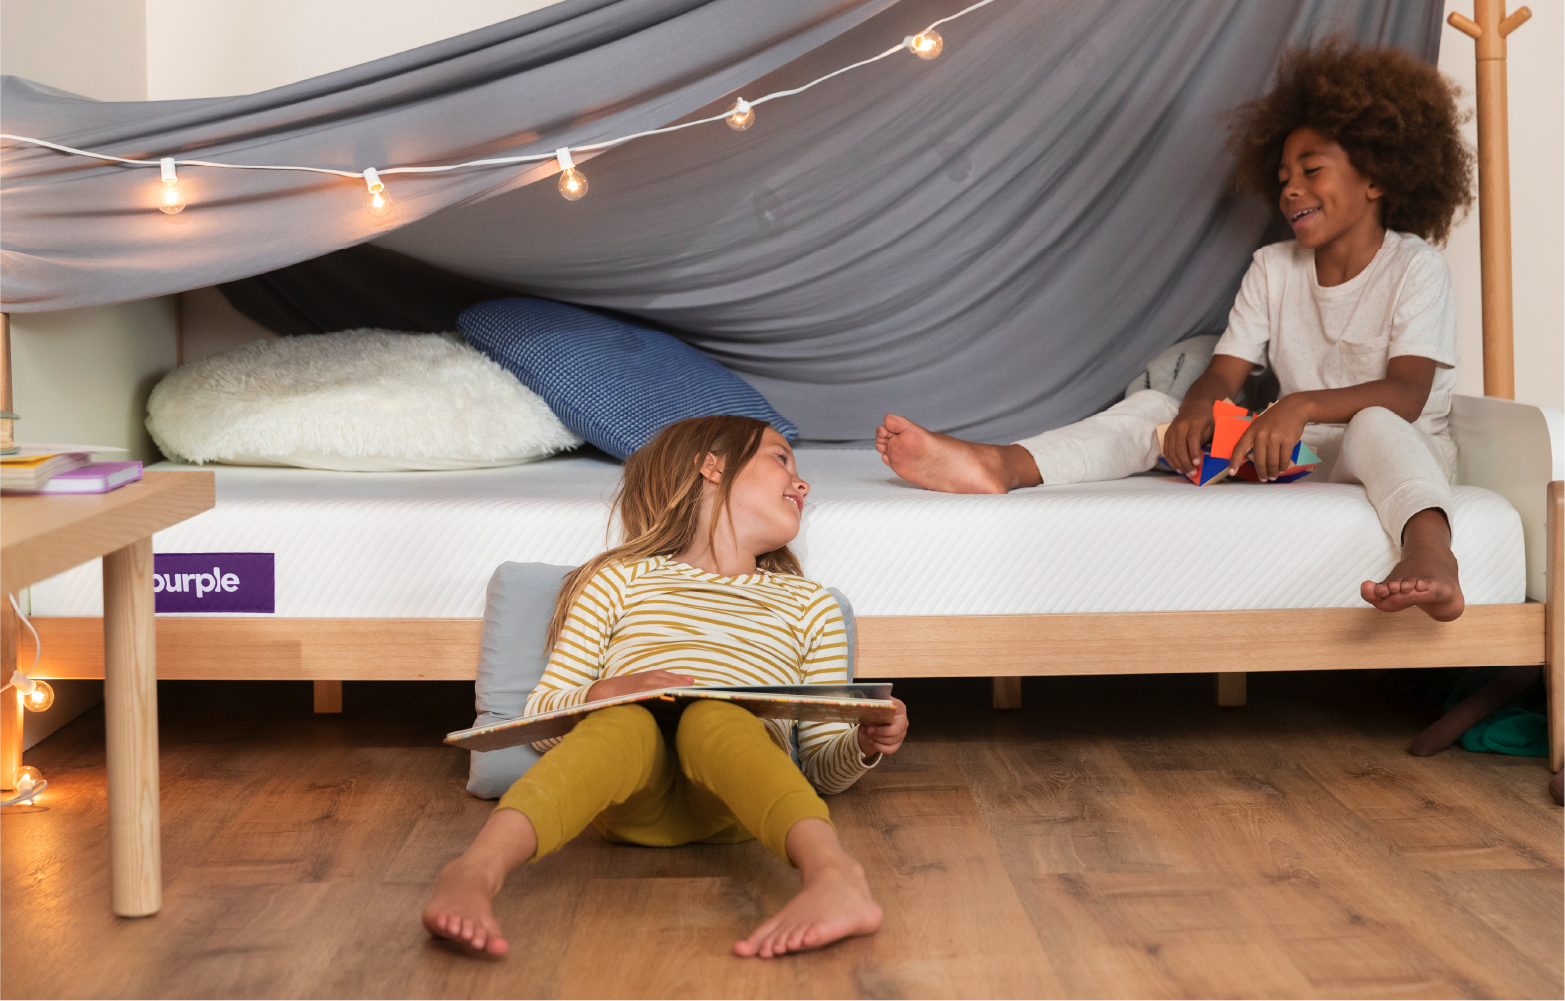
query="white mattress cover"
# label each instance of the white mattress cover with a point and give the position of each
(424, 544)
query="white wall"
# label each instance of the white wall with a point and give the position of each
(215, 48)
(1536, 85)
(95, 48)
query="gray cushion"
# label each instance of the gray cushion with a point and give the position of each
(517, 610)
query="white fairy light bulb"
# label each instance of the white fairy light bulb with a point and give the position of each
(171, 199)
(376, 201)
(573, 183)
(925, 44)
(35, 695)
(27, 783)
(741, 116)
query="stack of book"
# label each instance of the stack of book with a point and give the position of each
(63, 469)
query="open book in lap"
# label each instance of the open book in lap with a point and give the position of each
(850, 703)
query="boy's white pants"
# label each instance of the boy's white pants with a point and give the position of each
(1403, 470)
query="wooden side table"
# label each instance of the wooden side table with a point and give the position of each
(41, 536)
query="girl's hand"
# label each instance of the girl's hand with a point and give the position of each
(1186, 435)
(884, 738)
(630, 684)
(1270, 438)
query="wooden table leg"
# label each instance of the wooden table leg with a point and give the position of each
(10, 704)
(130, 697)
(1231, 688)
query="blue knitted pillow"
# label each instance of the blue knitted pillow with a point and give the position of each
(615, 384)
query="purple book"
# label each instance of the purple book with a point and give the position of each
(93, 478)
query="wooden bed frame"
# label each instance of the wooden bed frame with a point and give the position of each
(1507, 447)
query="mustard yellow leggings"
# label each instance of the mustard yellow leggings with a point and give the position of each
(725, 781)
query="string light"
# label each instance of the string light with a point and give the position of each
(376, 201)
(741, 116)
(36, 695)
(28, 783)
(171, 199)
(573, 183)
(927, 44)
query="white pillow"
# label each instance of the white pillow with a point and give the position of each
(367, 400)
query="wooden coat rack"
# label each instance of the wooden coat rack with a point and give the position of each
(1488, 27)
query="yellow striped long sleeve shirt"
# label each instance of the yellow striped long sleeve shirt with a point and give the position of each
(756, 629)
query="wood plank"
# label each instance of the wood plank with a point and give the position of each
(41, 536)
(1309, 639)
(1554, 626)
(912, 646)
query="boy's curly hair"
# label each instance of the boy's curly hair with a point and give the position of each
(1395, 116)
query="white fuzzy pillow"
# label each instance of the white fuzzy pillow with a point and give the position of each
(369, 400)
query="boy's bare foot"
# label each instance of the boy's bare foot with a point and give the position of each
(461, 908)
(832, 905)
(1426, 576)
(940, 462)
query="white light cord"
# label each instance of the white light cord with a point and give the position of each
(27, 796)
(25, 683)
(167, 163)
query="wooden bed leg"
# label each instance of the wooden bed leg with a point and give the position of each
(1231, 688)
(1554, 625)
(328, 696)
(1007, 692)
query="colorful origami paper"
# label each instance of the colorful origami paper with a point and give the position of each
(1229, 423)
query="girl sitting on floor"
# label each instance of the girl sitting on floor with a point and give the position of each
(1362, 151)
(703, 592)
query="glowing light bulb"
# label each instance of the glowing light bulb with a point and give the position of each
(741, 116)
(28, 783)
(925, 44)
(376, 201)
(39, 698)
(171, 198)
(573, 183)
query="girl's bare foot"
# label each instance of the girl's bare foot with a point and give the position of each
(835, 902)
(940, 462)
(460, 909)
(1426, 576)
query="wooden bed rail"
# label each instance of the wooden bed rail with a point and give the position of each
(888, 646)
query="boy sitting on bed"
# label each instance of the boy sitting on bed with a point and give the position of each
(1361, 149)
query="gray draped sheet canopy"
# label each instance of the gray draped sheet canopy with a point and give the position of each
(993, 243)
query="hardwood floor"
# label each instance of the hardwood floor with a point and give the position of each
(1117, 836)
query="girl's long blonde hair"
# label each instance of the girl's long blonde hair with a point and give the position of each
(659, 501)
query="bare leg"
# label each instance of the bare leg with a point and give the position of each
(940, 462)
(834, 903)
(460, 908)
(1426, 576)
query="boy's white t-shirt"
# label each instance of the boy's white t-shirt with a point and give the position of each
(1331, 338)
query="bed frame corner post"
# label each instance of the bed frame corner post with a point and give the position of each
(1554, 624)
(328, 696)
(10, 703)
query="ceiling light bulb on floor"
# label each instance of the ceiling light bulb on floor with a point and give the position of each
(741, 116)
(925, 44)
(573, 183)
(171, 198)
(376, 201)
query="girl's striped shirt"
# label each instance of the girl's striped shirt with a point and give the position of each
(756, 629)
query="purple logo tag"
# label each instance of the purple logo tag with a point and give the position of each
(214, 582)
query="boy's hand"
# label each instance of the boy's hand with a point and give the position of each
(630, 684)
(1186, 435)
(1270, 438)
(884, 738)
